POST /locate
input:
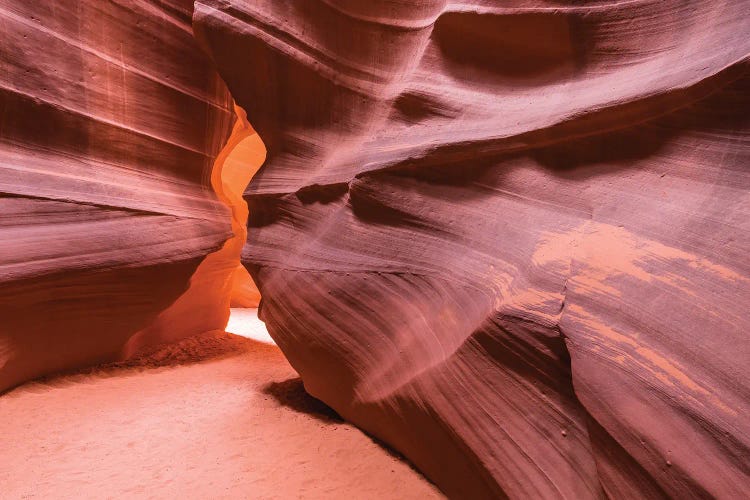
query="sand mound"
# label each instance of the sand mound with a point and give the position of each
(215, 416)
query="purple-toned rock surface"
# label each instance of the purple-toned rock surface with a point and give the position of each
(510, 239)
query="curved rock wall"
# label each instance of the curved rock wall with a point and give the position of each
(111, 119)
(509, 238)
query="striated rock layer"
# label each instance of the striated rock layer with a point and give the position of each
(111, 119)
(511, 239)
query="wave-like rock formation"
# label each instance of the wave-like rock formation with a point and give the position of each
(511, 239)
(111, 121)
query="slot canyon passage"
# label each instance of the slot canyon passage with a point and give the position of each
(503, 249)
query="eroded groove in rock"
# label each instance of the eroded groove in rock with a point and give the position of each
(509, 238)
(110, 121)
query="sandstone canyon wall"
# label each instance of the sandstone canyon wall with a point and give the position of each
(509, 238)
(111, 119)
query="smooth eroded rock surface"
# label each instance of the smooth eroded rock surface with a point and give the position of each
(511, 239)
(111, 119)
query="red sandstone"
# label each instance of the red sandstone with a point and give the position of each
(509, 239)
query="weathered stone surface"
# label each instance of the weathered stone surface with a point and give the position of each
(509, 238)
(111, 118)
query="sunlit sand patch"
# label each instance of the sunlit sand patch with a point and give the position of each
(245, 322)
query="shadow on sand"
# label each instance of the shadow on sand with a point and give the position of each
(291, 393)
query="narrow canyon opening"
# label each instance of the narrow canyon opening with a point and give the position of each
(220, 282)
(240, 159)
(238, 296)
(238, 162)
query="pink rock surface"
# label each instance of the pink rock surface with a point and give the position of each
(511, 239)
(110, 121)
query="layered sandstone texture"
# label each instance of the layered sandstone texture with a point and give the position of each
(511, 239)
(111, 122)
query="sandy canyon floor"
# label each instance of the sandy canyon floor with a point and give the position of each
(216, 416)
